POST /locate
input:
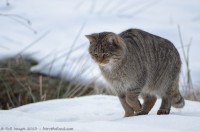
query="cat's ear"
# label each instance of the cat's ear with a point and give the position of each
(113, 39)
(91, 38)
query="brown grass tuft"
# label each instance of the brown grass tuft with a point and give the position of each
(19, 86)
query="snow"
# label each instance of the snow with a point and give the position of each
(61, 25)
(99, 113)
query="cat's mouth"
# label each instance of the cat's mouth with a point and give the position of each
(102, 62)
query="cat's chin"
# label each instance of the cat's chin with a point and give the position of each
(103, 64)
(106, 66)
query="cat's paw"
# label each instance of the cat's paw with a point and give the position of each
(141, 113)
(163, 112)
(129, 114)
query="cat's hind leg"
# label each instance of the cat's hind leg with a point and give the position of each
(149, 101)
(165, 106)
(172, 98)
(127, 108)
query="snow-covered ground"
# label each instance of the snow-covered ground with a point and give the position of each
(57, 27)
(98, 113)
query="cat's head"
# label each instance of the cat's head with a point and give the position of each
(105, 47)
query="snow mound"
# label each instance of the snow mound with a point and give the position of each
(97, 113)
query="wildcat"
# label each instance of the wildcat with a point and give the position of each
(135, 63)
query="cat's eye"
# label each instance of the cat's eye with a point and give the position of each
(105, 54)
(95, 55)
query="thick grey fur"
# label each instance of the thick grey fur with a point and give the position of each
(135, 63)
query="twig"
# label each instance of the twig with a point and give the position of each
(73, 44)
(48, 54)
(186, 59)
(40, 83)
(7, 3)
(67, 57)
(7, 92)
(188, 49)
(33, 43)
(182, 45)
(27, 26)
(16, 17)
(58, 57)
(53, 61)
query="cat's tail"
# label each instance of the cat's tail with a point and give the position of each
(177, 99)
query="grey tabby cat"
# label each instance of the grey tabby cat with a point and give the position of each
(135, 63)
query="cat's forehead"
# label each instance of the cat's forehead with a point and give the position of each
(102, 35)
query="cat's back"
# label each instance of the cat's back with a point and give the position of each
(140, 38)
(159, 56)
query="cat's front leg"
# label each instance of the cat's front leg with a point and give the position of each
(129, 111)
(132, 99)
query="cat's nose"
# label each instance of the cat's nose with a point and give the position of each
(100, 60)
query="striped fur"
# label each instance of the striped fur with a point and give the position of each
(137, 63)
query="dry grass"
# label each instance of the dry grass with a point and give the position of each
(19, 86)
(190, 93)
(193, 95)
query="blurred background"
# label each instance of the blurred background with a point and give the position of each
(44, 52)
